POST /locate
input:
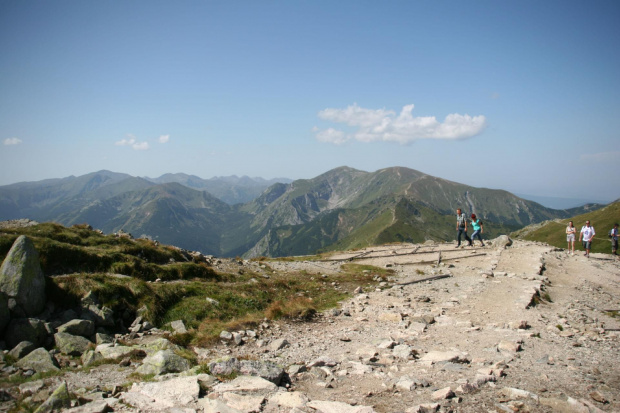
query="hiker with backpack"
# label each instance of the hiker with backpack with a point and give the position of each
(461, 228)
(613, 235)
(476, 224)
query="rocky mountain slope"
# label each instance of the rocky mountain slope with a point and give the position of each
(347, 208)
(514, 327)
(230, 189)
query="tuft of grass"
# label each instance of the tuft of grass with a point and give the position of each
(182, 339)
(296, 308)
(559, 327)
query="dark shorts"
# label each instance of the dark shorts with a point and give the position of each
(614, 244)
(587, 245)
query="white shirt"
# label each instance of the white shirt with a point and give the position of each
(588, 233)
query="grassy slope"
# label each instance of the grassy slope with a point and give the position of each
(553, 232)
(78, 260)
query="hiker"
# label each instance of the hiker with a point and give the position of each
(461, 228)
(586, 235)
(613, 234)
(570, 236)
(476, 224)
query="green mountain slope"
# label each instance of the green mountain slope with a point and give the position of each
(46, 200)
(170, 213)
(301, 216)
(553, 232)
(342, 208)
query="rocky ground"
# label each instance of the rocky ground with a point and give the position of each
(523, 328)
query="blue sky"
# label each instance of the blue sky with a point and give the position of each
(516, 95)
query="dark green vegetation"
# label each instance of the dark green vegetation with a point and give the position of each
(78, 260)
(553, 232)
(340, 209)
(79, 249)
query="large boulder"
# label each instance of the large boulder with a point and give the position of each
(38, 360)
(22, 350)
(109, 351)
(84, 328)
(25, 329)
(266, 370)
(21, 277)
(502, 241)
(5, 316)
(102, 317)
(59, 400)
(70, 344)
(90, 356)
(162, 362)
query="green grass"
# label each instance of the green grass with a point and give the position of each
(78, 260)
(65, 250)
(553, 232)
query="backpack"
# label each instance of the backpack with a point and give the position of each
(609, 233)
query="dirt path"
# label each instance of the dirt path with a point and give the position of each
(565, 353)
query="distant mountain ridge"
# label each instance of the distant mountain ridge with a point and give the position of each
(343, 208)
(230, 189)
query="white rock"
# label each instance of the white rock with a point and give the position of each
(243, 403)
(278, 344)
(446, 357)
(247, 384)
(442, 394)
(288, 400)
(338, 407)
(217, 406)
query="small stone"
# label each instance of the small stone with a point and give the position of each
(442, 394)
(508, 346)
(178, 326)
(278, 344)
(598, 397)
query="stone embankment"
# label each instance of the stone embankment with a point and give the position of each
(515, 326)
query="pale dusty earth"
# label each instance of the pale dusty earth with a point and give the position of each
(525, 328)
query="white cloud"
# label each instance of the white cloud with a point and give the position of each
(133, 142)
(331, 135)
(601, 157)
(384, 125)
(140, 146)
(164, 138)
(12, 141)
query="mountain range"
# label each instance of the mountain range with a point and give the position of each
(343, 208)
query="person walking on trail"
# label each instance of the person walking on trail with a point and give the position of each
(586, 235)
(461, 228)
(570, 236)
(613, 233)
(476, 224)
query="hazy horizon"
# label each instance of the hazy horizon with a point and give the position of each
(547, 201)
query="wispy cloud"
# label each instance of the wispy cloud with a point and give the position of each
(387, 126)
(163, 138)
(330, 135)
(12, 141)
(133, 142)
(612, 156)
